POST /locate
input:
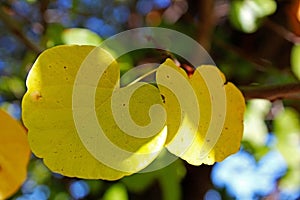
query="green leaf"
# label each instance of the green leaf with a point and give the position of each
(256, 130)
(80, 36)
(53, 35)
(295, 60)
(287, 122)
(169, 179)
(116, 192)
(246, 15)
(287, 129)
(12, 85)
(263, 7)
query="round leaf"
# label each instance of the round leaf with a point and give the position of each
(62, 128)
(218, 128)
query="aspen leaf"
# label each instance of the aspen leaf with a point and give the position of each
(14, 155)
(83, 124)
(205, 114)
(60, 116)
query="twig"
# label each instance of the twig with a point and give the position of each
(259, 64)
(43, 8)
(14, 28)
(283, 32)
(206, 23)
(272, 92)
(143, 76)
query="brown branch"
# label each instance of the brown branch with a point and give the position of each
(272, 92)
(283, 32)
(15, 29)
(43, 8)
(206, 23)
(258, 63)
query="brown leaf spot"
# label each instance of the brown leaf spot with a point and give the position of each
(36, 96)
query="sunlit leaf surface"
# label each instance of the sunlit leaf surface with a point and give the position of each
(205, 114)
(83, 124)
(53, 134)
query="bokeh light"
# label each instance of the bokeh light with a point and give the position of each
(79, 189)
(144, 6)
(244, 178)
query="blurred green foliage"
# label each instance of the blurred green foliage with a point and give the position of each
(252, 42)
(295, 60)
(248, 15)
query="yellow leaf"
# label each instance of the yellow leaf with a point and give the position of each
(205, 114)
(82, 123)
(14, 155)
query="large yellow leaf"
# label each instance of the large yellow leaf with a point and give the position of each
(14, 155)
(205, 114)
(82, 123)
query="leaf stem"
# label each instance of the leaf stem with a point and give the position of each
(143, 76)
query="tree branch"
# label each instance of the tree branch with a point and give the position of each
(206, 23)
(283, 32)
(258, 63)
(14, 28)
(272, 92)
